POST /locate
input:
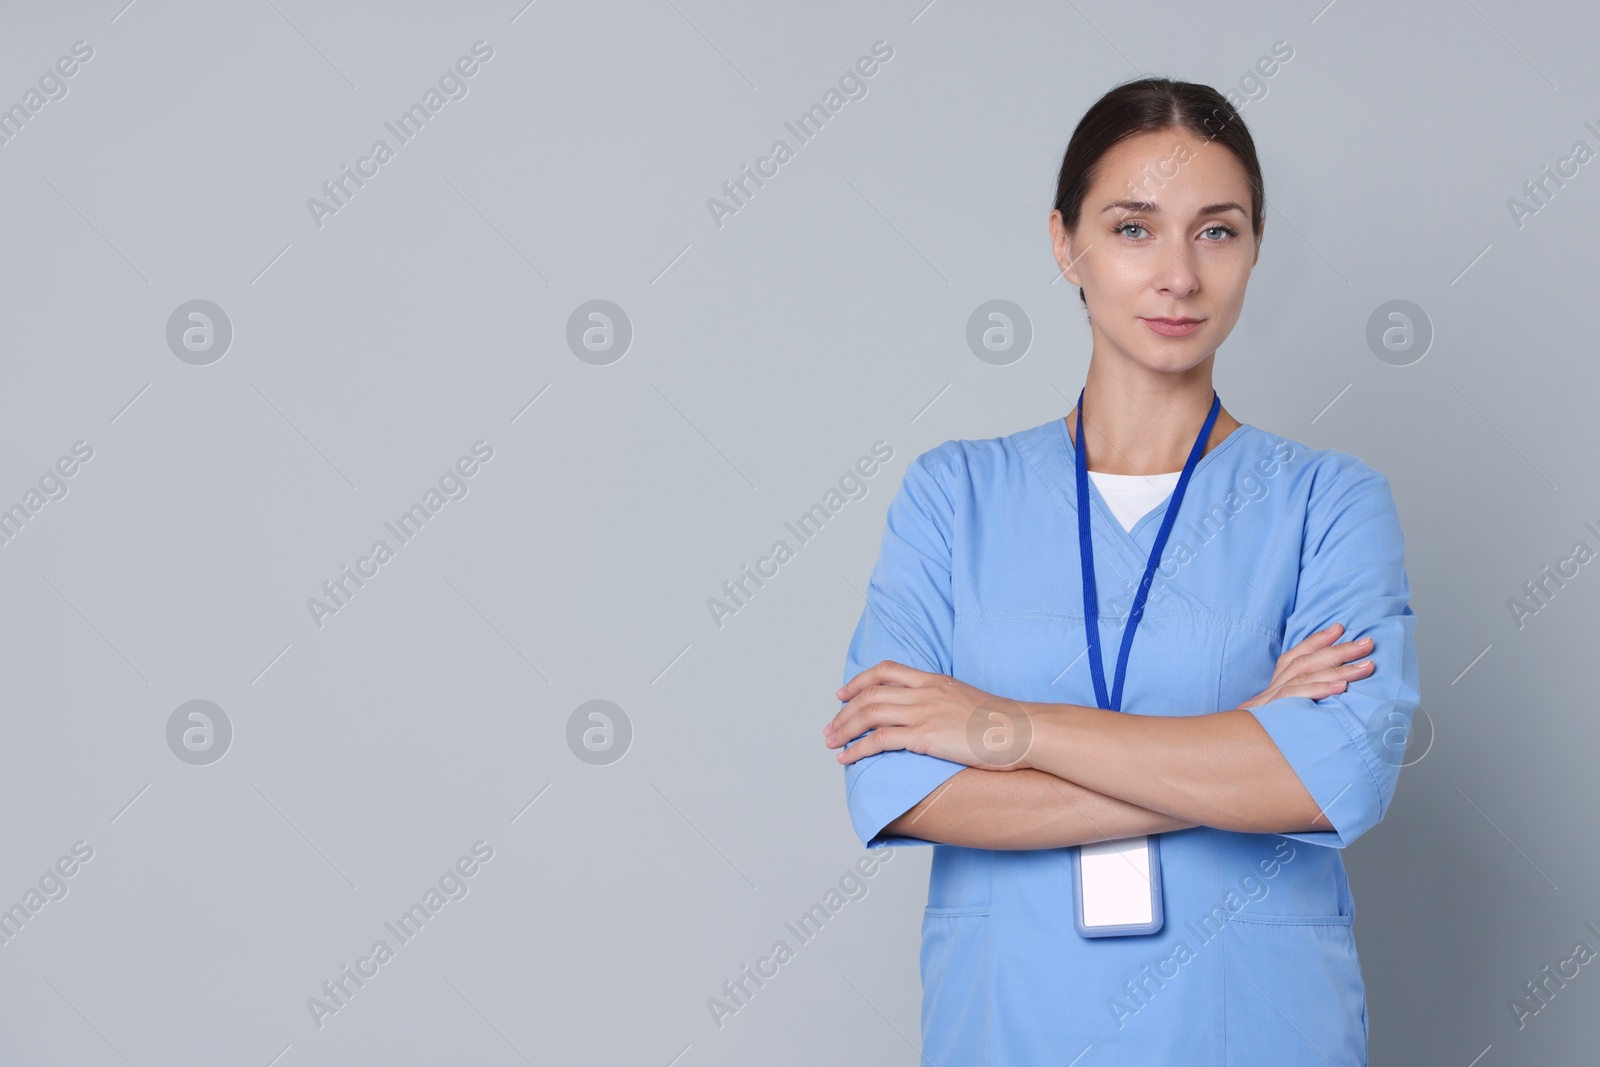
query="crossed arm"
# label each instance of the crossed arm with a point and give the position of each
(1087, 774)
(1168, 773)
(1092, 775)
(980, 808)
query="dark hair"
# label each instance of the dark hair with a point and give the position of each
(1145, 105)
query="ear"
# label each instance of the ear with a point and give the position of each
(1062, 247)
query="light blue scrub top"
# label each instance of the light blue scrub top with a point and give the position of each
(978, 577)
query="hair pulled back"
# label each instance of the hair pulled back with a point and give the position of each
(1147, 105)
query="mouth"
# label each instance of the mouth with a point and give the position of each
(1174, 327)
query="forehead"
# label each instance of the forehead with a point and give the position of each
(1172, 168)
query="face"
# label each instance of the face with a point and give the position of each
(1164, 233)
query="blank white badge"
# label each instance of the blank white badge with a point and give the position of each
(1116, 882)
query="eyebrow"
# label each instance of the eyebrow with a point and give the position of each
(1146, 207)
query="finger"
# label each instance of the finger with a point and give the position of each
(1348, 672)
(1312, 690)
(1301, 656)
(1351, 649)
(1307, 669)
(841, 726)
(868, 712)
(879, 740)
(1320, 639)
(1336, 655)
(1316, 640)
(885, 672)
(1308, 690)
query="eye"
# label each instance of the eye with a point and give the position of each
(1126, 225)
(1229, 230)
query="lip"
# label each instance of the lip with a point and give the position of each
(1174, 327)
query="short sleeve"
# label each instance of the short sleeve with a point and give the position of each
(909, 618)
(1347, 749)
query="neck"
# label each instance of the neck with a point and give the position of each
(1142, 422)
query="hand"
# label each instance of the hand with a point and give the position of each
(932, 714)
(1315, 668)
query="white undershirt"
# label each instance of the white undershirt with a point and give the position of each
(1133, 496)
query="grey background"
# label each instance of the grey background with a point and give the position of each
(768, 355)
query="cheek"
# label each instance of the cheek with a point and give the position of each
(1225, 277)
(1118, 277)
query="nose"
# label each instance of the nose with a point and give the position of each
(1178, 277)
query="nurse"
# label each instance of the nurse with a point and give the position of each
(1144, 623)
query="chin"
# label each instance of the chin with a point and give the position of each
(1174, 357)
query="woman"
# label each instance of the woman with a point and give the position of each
(979, 716)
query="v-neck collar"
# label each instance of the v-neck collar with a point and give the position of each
(1056, 461)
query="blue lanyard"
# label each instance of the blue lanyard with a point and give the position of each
(1091, 611)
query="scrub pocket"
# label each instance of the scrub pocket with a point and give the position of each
(1293, 992)
(956, 980)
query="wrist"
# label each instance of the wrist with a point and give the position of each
(1000, 734)
(1051, 747)
(1043, 721)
